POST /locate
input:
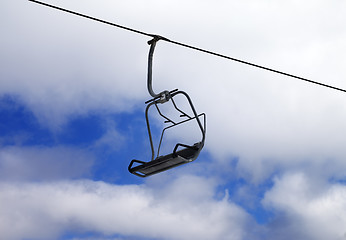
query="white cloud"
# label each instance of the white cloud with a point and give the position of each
(111, 138)
(44, 163)
(70, 66)
(307, 209)
(60, 66)
(184, 209)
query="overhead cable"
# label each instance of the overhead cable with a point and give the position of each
(189, 46)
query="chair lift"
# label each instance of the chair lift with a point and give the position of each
(182, 153)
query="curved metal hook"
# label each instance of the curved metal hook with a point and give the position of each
(165, 94)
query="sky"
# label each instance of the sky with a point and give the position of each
(72, 102)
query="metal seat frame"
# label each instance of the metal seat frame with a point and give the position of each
(182, 153)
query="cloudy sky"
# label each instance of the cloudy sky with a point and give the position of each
(72, 95)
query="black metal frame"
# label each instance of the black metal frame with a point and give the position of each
(188, 153)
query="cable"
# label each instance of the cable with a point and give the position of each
(92, 18)
(188, 46)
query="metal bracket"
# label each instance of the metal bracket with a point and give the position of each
(164, 95)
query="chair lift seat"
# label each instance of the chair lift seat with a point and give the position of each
(163, 163)
(188, 153)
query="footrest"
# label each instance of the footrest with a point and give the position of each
(164, 163)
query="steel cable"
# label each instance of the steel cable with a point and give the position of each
(189, 46)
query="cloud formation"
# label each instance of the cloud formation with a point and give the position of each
(308, 209)
(179, 211)
(279, 141)
(44, 163)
